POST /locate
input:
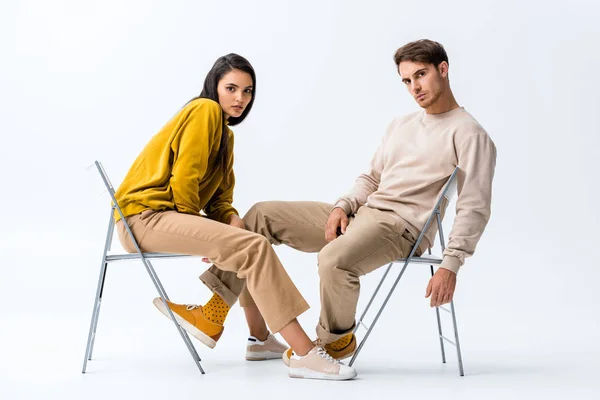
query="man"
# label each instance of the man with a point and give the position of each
(379, 220)
(381, 217)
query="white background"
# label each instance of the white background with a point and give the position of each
(85, 80)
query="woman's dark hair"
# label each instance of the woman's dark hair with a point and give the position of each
(222, 66)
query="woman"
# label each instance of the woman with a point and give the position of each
(187, 168)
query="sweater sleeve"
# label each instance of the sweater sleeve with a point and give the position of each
(367, 183)
(477, 161)
(191, 150)
(219, 207)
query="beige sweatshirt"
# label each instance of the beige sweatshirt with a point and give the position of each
(413, 163)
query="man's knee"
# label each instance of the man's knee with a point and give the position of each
(253, 212)
(332, 264)
(255, 216)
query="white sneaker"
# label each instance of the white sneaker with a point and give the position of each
(317, 364)
(258, 350)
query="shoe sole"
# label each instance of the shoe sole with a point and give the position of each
(189, 328)
(286, 360)
(305, 373)
(262, 355)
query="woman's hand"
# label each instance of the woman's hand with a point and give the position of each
(236, 221)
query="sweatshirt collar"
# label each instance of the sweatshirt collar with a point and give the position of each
(442, 116)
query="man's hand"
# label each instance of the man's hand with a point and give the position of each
(441, 287)
(337, 219)
(235, 221)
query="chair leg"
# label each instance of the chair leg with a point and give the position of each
(163, 294)
(439, 324)
(461, 370)
(360, 321)
(164, 297)
(99, 291)
(97, 309)
(94, 322)
(456, 341)
(387, 298)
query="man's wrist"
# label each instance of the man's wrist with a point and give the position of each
(446, 271)
(451, 263)
(344, 206)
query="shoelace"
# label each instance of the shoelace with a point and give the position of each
(191, 307)
(324, 355)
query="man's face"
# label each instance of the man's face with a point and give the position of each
(424, 82)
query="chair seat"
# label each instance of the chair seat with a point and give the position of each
(149, 256)
(426, 259)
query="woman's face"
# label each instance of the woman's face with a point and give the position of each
(235, 92)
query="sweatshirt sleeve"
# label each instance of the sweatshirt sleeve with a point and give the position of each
(366, 183)
(219, 207)
(191, 149)
(477, 161)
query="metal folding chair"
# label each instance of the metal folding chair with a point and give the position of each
(430, 260)
(145, 258)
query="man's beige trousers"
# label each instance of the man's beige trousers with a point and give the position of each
(373, 239)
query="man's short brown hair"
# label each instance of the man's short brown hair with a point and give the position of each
(421, 51)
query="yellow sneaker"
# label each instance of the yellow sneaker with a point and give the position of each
(191, 318)
(286, 356)
(340, 349)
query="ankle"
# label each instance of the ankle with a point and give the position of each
(216, 310)
(261, 335)
(304, 350)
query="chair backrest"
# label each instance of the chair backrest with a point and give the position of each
(447, 193)
(115, 206)
(109, 187)
(452, 187)
(104, 177)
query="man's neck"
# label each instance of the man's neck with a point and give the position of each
(444, 104)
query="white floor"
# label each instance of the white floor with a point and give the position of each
(151, 363)
(518, 342)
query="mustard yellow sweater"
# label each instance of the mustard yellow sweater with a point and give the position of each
(176, 170)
